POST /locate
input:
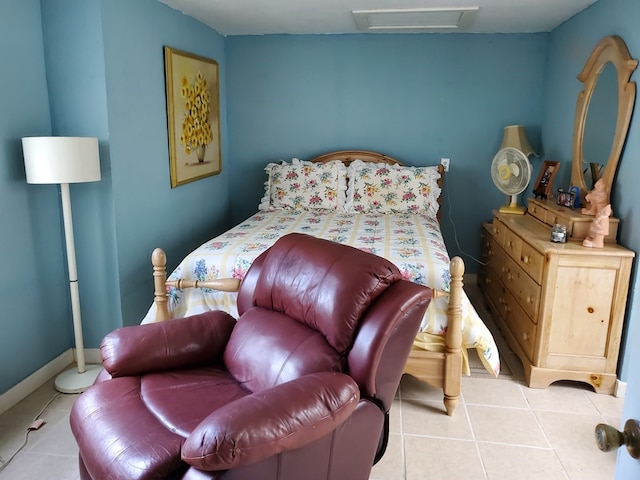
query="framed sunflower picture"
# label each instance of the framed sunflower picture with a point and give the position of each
(193, 116)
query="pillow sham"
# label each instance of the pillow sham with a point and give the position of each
(302, 185)
(382, 188)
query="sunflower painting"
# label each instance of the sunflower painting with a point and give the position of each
(193, 116)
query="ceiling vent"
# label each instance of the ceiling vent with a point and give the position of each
(414, 19)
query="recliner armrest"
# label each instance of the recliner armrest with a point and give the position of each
(284, 417)
(178, 343)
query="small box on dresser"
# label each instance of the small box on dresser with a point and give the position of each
(578, 225)
(560, 305)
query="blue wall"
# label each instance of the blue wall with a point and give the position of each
(571, 44)
(77, 96)
(415, 97)
(148, 213)
(34, 324)
(94, 68)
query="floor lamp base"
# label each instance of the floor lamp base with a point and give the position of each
(71, 381)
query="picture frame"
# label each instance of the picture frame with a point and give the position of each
(543, 184)
(193, 116)
(566, 199)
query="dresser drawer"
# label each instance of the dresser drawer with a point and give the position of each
(489, 246)
(532, 261)
(493, 287)
(512, 244)
(521, 286)
(485, 242)
(548, 215)
(552, 218)
(519, 324)
(537, 211)
(498, 230)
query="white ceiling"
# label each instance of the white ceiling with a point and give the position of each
(256, 17)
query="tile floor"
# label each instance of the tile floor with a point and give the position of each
(501, 430)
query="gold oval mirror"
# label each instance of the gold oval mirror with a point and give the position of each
(603, 113)
(600, 125)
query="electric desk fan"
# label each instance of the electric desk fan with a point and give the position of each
(511, 173)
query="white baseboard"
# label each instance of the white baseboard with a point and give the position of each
(26, 387)
(91, 355)
(620, 389)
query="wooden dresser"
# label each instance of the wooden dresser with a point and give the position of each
(560, 305)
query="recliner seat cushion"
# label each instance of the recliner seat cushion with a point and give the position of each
(145, 420)
(180, 400)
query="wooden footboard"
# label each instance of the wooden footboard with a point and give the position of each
(444, 369)
(439, 369)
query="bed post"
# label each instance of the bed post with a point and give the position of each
(159, 261)
(453, 339)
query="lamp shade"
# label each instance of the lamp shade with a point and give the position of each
(515, 137)
(61, 159)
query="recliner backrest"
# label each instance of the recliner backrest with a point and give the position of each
(301, 304)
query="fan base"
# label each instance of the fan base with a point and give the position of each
(513, 209)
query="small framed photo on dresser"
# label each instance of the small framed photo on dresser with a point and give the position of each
(543, 184)
(566, 199)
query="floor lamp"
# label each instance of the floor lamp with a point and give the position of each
(65, 160)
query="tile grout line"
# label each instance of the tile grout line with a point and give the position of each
(473, 437)
(546, 437)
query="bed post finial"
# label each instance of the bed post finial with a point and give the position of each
(159, 261)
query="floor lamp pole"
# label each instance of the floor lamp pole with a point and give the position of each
(79, 379)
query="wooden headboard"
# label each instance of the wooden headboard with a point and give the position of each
(348, 156)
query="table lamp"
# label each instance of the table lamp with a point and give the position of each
(65, 160)
(515, 137)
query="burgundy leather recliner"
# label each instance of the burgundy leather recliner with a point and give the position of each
(298, 388)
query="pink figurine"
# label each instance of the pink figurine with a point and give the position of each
(599, 228)
(596, 198)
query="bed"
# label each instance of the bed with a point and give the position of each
(362, 198)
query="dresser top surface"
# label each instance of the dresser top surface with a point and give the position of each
(538, 235)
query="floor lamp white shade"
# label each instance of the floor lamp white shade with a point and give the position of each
(65, 160)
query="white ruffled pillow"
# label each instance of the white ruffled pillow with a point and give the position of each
(383, 188)
(301, 185)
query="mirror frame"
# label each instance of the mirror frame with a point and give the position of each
(610, 49)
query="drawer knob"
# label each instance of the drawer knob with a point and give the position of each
(525, 336)
(530, 299)
(525, 259)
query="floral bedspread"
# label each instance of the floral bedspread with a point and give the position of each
(413, 242)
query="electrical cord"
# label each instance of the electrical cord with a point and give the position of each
(26, 437)
(455, 232)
